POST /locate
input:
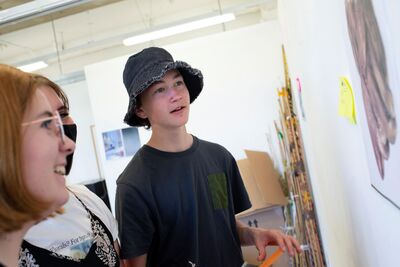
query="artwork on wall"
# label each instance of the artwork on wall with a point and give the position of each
(121, 143)
(300, 217)
(370, 28)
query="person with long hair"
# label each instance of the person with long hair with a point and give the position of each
(33, 152)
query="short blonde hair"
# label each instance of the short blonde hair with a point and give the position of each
(17, 205)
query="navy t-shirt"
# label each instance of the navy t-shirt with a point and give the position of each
(179, 207)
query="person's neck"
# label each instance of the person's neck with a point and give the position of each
(10, 245)
(176, 140)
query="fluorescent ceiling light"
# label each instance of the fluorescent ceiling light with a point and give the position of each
(33, 8)
(33, 66)
(185, 27)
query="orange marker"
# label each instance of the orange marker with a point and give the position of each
(273, 258)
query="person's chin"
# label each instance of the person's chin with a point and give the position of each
(63, 197)
(60, 178)
(181, 119)
(60, 200)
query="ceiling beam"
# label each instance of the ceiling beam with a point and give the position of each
(35, 20)
(6, 4)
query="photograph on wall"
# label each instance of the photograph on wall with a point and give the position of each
(113, 146)
(372, 28)
(131, 141)
(121, 143)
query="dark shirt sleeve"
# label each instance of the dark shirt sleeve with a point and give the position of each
(241, 199)
(135, 225)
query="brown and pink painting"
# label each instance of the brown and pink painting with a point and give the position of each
(371, 25)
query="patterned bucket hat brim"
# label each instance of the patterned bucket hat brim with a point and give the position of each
(150, 65)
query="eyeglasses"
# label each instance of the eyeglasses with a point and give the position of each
(53, 123)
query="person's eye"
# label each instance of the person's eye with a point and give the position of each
(159, 90)
(64, 112)
(179, 83)
(63, 115)
(46, 124)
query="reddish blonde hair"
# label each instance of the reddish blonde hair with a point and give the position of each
(17, 205)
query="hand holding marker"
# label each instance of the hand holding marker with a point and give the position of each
(275, 256)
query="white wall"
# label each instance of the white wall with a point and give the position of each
(359, 226)
(84, 167)
(242, 69)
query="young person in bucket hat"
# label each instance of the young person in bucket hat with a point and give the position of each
(177, 199)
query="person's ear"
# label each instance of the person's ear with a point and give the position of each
(140, 113)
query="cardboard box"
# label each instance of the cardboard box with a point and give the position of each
(261, 180)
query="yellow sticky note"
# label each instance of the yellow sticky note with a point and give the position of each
(346, 100)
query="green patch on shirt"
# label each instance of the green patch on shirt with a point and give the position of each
(218, 188)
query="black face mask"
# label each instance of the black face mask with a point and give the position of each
(70, 132)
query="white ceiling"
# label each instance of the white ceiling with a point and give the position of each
(71, 39)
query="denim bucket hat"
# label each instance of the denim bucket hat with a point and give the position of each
(150, 65)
